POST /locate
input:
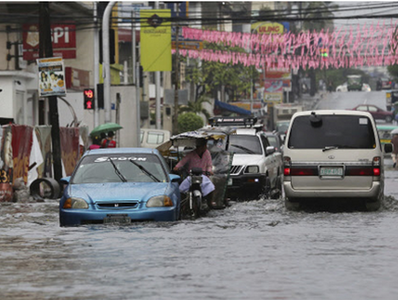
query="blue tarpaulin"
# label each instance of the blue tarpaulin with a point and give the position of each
(232, 108)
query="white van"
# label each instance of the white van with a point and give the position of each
(333, 154)
(151, 138)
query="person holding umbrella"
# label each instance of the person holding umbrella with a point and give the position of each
(109, 142)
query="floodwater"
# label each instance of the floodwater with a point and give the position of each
(251, 250)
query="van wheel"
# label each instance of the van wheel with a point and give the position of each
(292, 205)
(373, 206)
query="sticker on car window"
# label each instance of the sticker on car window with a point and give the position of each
(363, 121)
(102, 159)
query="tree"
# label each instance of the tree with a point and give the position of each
(319, 10)
(196, 107)
(210, 77)
(189, 121)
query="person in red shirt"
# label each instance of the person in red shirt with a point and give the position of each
(109, 142)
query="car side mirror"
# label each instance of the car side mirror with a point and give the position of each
(65, 180)
(174, 178)
(269, 150)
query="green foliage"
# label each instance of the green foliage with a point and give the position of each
(393, 70)
(212, 75)
(196, 107)
(189, 121)
(319, 10)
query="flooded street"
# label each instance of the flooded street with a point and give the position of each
(251, 250)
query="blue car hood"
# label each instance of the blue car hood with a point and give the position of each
(98, 192)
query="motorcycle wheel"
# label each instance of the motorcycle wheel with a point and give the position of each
(194, 205)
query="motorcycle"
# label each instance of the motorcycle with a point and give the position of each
(194, 195)
(173, 151)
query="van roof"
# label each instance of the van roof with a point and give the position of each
(333, 111)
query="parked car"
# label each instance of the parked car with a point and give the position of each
(120, 185)
(333, 154)
(376, 112)
(152, 138)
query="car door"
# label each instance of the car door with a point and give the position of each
(375, 112)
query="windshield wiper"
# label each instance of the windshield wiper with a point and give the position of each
(145, 171)
(243, 148)
(122, 178)
(329, 148)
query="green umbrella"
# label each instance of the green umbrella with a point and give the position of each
(104, 128)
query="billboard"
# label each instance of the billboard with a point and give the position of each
(51, 74)
(63, 38)
(155, 40)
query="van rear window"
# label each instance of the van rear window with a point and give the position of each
(342, 131)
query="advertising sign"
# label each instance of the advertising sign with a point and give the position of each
(63, 38)
(51, 75)
(270, 27)
(273, 97)
(273, 86)
(155, 40)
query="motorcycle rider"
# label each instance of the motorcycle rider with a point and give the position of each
(198, 158)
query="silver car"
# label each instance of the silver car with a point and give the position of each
(333, 154)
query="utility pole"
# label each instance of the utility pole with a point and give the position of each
(157, 86)
(46, 50)
(176, 87)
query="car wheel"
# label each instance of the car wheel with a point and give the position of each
(292, 205)
(388, 119)
(373, 206)
(277, 191)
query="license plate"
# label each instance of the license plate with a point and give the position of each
(330, 171)
(119, 219)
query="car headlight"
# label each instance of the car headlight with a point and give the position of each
(75, 203)
(159, 201)
(251, 169)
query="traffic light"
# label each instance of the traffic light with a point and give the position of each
(88, 98)
(324, 53)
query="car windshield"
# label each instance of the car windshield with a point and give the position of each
(331, 132)
(245, 144)
(354, 80)
(103, 168)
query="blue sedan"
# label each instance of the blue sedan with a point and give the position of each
(120, 185)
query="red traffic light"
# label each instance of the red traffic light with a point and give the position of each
(89, 93)
(88, 98)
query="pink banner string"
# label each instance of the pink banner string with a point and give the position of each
(369, 46)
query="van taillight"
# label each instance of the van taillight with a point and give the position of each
(300, 171)
(362, 171)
